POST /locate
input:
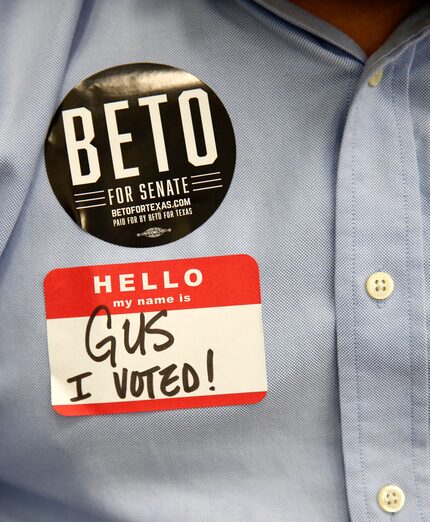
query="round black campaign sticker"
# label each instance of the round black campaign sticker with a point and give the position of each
(141, 154)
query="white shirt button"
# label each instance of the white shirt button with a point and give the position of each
(380, 285)
(376, 78)
(391, 498)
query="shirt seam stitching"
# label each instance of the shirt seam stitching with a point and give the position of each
(354, 308)
(408, 265)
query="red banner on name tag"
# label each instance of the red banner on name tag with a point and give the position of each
(209, 281)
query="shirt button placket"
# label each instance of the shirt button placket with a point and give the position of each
(381, 329)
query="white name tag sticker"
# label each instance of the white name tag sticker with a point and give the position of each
(156, 335)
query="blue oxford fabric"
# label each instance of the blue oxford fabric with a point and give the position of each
(332, 184)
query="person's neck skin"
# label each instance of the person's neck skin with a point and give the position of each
(368, 22)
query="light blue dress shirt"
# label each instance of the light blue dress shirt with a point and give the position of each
(332, 184)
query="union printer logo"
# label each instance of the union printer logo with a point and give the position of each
(140, 154)
(154, 232)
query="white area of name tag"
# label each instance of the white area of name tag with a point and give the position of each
(216, 357)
